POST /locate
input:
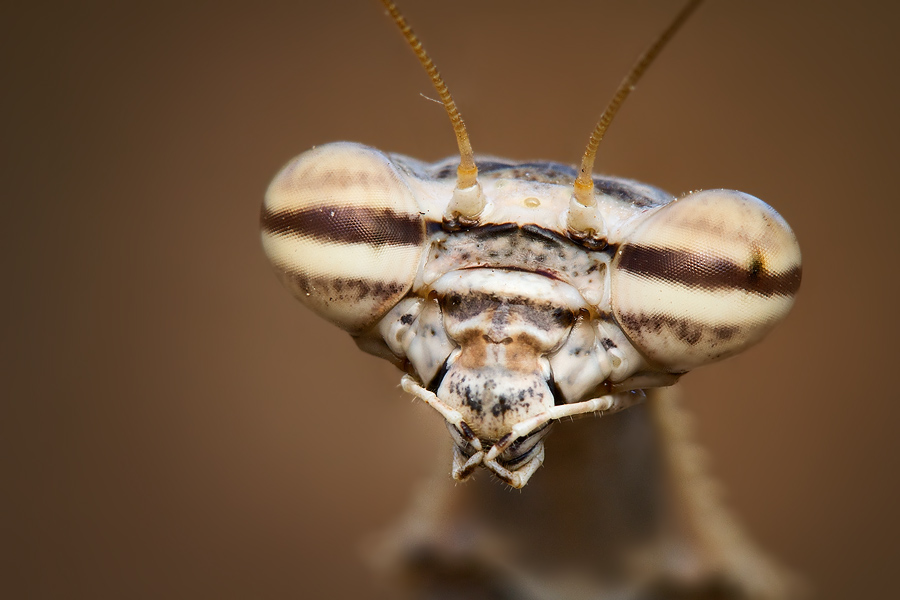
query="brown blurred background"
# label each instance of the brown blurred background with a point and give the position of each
(175, 425)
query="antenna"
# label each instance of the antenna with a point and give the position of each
(468, 201)
(579, 220)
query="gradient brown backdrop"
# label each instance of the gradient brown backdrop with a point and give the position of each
(175, 425)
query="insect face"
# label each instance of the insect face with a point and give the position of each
(517, 294)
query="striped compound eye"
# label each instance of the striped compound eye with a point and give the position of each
(344, 232)
(704, 277)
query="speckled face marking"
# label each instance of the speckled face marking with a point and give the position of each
(515, 294)
(499, 377)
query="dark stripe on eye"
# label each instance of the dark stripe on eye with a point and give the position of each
(347, 224)
(685, 330)
(705, 271)
(342, 289)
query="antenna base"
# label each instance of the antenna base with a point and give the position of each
(585, 225)
(465, 207)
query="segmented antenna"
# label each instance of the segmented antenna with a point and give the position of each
(584, 184)
(467, 173)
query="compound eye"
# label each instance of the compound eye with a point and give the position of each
(344, 232)
(704, 277)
